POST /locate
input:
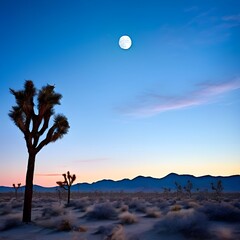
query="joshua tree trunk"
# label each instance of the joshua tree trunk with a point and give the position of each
(29, 188)
(68, 195)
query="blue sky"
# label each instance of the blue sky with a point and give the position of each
(168, 104)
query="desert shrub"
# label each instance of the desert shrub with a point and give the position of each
(80, 205)
(117, 204)
(190, 223)
(9, 223)
(17, 204)
(49, 212)
(176, 207)
(82, 229)
(127, 218)
(221, 212)
(111, 232)
(102, 211)
(153, 212)
(65, 225)
(6, 208)
(59, 223)
(138, 205)
(184, 204)
(193, 205)
(124, 208)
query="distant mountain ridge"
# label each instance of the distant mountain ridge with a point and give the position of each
(148, 184)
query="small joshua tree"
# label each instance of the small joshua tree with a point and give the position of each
(179, 189)
(188, 188)
(16, 187)
(166, 191)
(217, 188)
(67, 183)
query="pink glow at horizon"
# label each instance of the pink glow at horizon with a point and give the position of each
(49, 179)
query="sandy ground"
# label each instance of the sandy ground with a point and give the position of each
(121, 216)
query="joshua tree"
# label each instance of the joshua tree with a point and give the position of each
(67, 183)
(179, 189)
(166, 191)
(218, 189)
(33, 121)
(16, 187)
(188, 188)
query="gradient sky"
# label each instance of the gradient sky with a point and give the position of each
(171, 103)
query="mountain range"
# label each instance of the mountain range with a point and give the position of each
(148, 184)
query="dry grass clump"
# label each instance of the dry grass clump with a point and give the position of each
(80, 205)
(82, 229)
(176, 207)
(188, 222)
(53, 211)
(10, 222)
(138, 205)
(102, 211)
(193, 205)
(65, 225)
(111, 232)
(17, 204)
(117, 204)
(59, 223)
(5, 208)
(164, 206)
(221, 212)
(127, 218)
(124, 208)
(153, 212)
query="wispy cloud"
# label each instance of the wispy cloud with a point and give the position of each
(232, 18)
(152, 104)
(201, 28)
(48, 174)
(191, 9)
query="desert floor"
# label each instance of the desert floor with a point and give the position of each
(122, 216)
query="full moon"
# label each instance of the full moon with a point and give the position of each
(125, 42)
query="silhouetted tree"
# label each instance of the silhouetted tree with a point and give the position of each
(218, 189)
(16, 187)
(67, 183)
(33, 126)
(188, 188)
(179, 189)
(166, 191)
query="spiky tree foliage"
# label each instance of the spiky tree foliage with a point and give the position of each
(166, 191)
(16, 187)
(218, 189)
(67, 183)
(179, 189)
(188, 188)
(33, 121)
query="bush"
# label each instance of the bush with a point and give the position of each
(52, 212)
(111, 232)
(6, 208)
(127, 218)
(102, 211)
(153, 212)
(221, 212)
(9, 223)
(65, 226)
(189, 223)
(138, 205)
(80, 205)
